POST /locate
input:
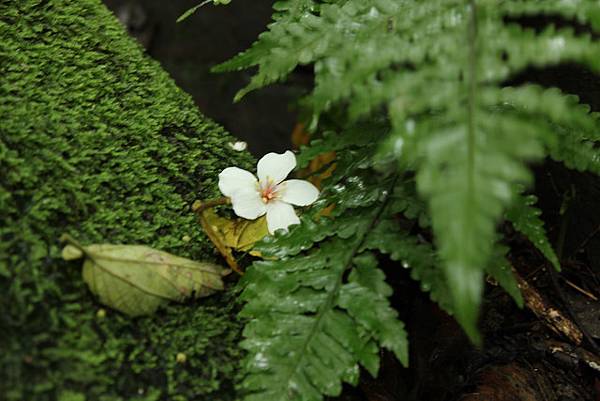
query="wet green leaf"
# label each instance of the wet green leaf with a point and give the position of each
(137, 279)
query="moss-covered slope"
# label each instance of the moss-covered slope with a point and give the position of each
(96, 140)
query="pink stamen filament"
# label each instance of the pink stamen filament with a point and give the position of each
(268, 192)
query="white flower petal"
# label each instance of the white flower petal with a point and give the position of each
(275, 166)
(280, 215)
(248, 204)
(298, 192)
(234, 179)
(238, 146)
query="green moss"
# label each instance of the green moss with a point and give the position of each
(96, 140)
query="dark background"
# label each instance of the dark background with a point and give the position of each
(187, 50)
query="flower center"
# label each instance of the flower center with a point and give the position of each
(268, 190)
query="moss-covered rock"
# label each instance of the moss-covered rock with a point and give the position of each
(96, 140)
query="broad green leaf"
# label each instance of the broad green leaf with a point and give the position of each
(137, 279)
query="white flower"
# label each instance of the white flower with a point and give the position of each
(270, 194)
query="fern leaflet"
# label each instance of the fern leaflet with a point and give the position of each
(310, 327)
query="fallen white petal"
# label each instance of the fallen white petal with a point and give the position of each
(238, 146)
(248, 204)
(298, 192)
(276, 166)
(234, 179)
(280, 215)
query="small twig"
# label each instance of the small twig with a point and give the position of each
(198, 206)
(581, 290)
(567, 199)
(592, 275)
(576, 354)
(552, 317)
(570, 311)
(587, 239)
(537, 269)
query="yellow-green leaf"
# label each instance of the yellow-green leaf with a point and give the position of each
(238, 234)
(71, 252)
(137, 279)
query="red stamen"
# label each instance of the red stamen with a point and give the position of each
(269, 192)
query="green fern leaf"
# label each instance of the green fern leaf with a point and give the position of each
(525, 217)
(320, 309)
(309, 329)
(584, 12)
(500, 270)
(567, 128)
(292, 24)
(355, 137)
(389, 238)
(364, 297)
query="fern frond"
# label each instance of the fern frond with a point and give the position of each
(567, 128)
(357, 136)
(525, 217)
(584, 12)
(309, 327)
(418, 256)
(287, 13)
(293, 24)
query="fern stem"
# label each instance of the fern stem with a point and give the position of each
(472, 38)
(329, 302)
